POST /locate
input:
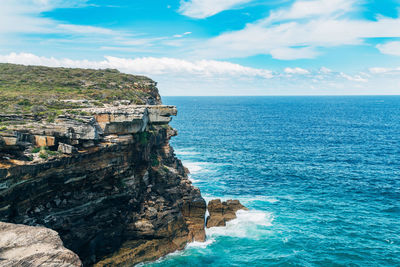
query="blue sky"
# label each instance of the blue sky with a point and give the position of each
(216, 47)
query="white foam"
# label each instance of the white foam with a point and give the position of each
(269, 199)
(194, 167)
(248, 224)
(176, 253)
(200, 244)
(186, 152)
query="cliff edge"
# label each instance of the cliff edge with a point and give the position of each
(95, 165)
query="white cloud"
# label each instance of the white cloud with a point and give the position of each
(201, 9)
(81, 29)
(355, 78)
(299, 31)
(380, 70)
(182, 35)
(296, 71)
(210, 77)
(23, 16)
(287, 53)
(307, 9)
(325, 70)
(391, 48)
(146, 65)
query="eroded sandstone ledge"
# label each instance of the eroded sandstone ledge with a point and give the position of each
(106, 180)
(22, 245)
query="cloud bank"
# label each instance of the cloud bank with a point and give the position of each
(298, 32)
(146, 65)
(211, 77)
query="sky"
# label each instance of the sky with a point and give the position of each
(215, 47)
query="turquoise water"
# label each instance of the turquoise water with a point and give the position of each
(321, 176)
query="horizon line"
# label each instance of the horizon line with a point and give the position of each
(273, 95)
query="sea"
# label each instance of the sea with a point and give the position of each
(320, 176)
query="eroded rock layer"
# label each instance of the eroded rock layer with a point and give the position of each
(222, 212)
(22, 245)
(107, 181)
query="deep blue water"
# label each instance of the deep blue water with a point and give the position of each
(321, 176)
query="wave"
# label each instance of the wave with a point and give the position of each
(196, 244)
(186, 152)
(195, 167)
(252, 224)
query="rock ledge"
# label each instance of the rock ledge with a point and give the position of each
(23, 245)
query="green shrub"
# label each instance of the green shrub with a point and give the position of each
(143, 138)
(154, 160)
(36, 150)
(43, 155)
(52, 153)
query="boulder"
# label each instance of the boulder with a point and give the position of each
(23, 245)
(44, 140)
(66, 149)
(222, 212)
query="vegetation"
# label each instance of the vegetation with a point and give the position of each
(45, 152)
(36, 150)
(154, 160)
(143, 138)
(41, 90)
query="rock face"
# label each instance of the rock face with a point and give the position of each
(22, 245)
(222, 212)
(107, 181)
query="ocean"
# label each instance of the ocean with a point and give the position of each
(320, 175)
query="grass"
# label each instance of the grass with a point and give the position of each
(40, 90)
(45, 152)
(36, 150)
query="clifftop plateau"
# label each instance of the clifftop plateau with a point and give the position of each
(44, 91)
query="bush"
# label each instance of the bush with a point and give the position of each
(52, 153)
(154, 160)
(143, 138)
(44, 155)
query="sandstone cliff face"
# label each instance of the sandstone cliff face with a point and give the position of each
(22, 245)
(107, 181)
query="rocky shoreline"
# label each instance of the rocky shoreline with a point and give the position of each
(95, 177)
(112, 189)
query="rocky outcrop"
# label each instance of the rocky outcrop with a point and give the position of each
(22, 245)
(106, 180)
(222, 212)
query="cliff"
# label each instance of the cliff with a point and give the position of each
(100, 173)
